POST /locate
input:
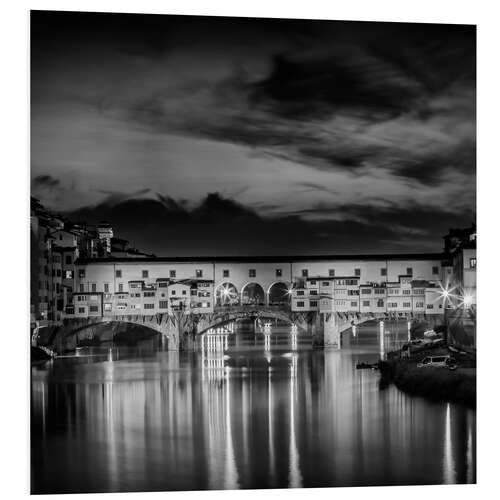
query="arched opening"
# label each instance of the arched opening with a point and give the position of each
(279, 294)
(226, 295)
(253, 294)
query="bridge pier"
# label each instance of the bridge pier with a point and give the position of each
(325, 330)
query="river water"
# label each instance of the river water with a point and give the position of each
(247, 411)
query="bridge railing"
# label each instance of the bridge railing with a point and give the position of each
(252, 307)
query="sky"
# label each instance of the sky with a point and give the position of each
(240, 136)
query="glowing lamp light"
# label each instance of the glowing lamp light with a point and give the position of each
(467, 300)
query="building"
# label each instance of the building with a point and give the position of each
(150, 285)
(461, 287)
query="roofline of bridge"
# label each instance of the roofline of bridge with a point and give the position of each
(265, 258)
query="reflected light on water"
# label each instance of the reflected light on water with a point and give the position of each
(151, 420)
(448, 463)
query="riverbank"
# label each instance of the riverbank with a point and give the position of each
(438, 384)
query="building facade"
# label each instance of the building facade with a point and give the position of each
(363, 284)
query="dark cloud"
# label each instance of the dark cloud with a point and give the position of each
(45, 181)
(382, 114)
(222, 226)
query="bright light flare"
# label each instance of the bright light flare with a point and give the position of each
(468, 300)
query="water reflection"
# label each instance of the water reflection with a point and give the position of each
(245, 411)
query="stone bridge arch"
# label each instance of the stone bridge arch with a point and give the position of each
(222, 316)
(172, 328)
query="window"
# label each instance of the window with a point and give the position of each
(172, 292)
(357, 272)
(162, 284)
(118, 273)
(81, 273)
(163, 304)
(68, 274)
(94, 287)
(121, 306)
(300, 303)
(106, 287)
(149, 294)
(199, 273)
(430, 306)
(225, 273)
(379, 291)
(366, 303)
(145, 273)
(406, 292)
(409, 271)
(120, 287)
(314, 292)
(300, 292)
(313, 303)
(419, 304)
(472, 263)
(325, 283)
(183, 292)
(380, 303)
(383, 271)
(351, 282)
(352, 292)
(149, 306)
(435, 269)
(172, 273)
(331, 272)
(135, 306)
(406, 304)
(366, 291)
(81, 287)
(68, 260)
(354, 304)
(252, 273)
(279, 273)
(305, 273)
(94, 309)
(81, 310)
(107, 307)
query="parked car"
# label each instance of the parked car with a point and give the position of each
(438, 361)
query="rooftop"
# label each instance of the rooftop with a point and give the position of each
(266, 259)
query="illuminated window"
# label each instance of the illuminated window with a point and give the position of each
(472, 263)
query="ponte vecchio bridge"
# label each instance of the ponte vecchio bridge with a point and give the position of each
(180, 298)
